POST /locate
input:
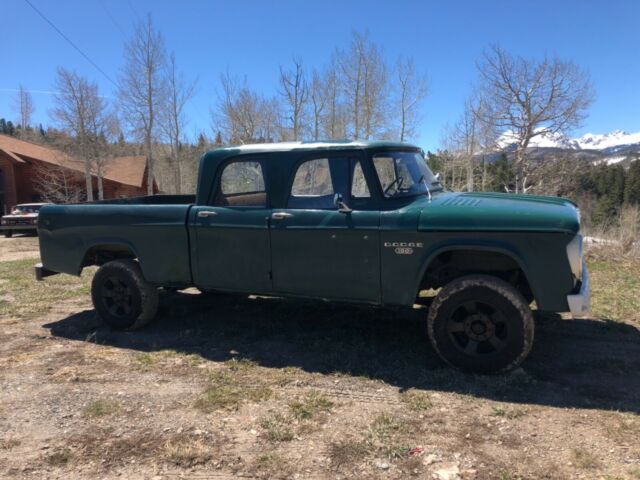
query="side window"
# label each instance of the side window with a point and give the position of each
(242, 185)
(359, 187)
(312, 185)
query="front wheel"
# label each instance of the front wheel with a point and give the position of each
(8, 233)
(121, 295)
(482, 324)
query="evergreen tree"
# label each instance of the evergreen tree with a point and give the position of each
(501, 175)
(3, 126)
(632, 184)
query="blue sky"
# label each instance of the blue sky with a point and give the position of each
(253, 38)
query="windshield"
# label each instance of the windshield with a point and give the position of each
(403, 174)
(23, 209)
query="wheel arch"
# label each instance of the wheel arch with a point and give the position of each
(101, 252)
(473, 250)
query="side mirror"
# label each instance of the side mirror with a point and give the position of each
(339, 203)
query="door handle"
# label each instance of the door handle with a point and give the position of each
(281, 215)
(207, 213)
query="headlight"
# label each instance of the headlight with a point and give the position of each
(574, 254)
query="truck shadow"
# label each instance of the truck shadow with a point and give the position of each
(574, 363)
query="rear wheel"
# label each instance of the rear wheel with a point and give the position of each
(482, 324)
(121, 295)
(8, 233)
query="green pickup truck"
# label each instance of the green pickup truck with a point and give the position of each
(364, 222)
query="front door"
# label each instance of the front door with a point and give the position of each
(231, 250)
(318, 251)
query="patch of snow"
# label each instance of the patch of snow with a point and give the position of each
(614, 160)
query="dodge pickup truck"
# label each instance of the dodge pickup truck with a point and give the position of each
(364, 222)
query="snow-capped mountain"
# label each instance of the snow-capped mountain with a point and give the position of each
(610, 148)
(612, 142)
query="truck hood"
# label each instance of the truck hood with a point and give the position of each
(501, 212)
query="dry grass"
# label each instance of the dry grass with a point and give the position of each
(585, 459)
(188, 452)
(347, 452)
(277, 428)
(8, 443)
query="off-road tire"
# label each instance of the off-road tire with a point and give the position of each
(473, 307)
(8, 233)
(137, 301)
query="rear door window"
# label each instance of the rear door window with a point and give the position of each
(242, 185)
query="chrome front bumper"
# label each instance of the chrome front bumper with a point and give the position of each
(580, 303)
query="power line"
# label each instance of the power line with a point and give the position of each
(113, 20)
(95, 65)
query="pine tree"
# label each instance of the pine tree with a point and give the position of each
(3, 126)
(632, 184)
(501, 175)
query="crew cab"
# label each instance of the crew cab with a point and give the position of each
(364, 222)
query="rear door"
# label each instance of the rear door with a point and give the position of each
(230, 235)
(318, 251)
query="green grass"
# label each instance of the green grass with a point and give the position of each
(615, 289)
(309, 406)
(227, 391)
(100, 408)
(510, 414)
(21, 295)
(416, 400)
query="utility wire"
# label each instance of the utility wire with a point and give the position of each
(95, 65)
(113, 20)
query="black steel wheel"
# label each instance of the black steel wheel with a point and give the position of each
(482, 324)
(121, 295)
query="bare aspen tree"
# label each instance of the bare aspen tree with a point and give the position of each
(58, 184)
(528, 98)
(334, 124)
(412, 90)
(319, 99)
(82, 112)
(364, 82)
(242, 114)
(24, 106)
(142, 89)
(295, 93)
(172, 117)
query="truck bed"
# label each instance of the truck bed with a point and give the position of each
(153, 229)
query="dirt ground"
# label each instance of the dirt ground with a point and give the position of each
(225, 386)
